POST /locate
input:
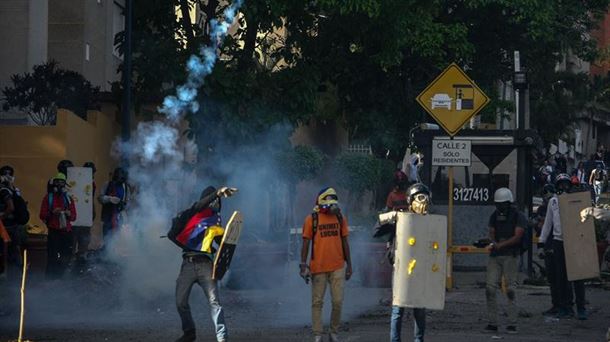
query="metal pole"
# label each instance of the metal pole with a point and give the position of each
(449, 284)
(126, 106)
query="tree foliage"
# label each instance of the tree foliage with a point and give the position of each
(360, 62)
(300, 163)
(47, 88)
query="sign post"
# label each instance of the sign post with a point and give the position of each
(452, 99)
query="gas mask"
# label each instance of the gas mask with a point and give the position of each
(420, 203)
(327, 202)
(7, 179)
(503, 207)
(59, 186)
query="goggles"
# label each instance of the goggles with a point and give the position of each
(421, 197)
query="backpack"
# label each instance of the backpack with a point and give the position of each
(21, 215)
(178, 224)
(314, 227)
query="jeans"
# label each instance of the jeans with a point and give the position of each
(565, 294)
(597, 187)
(549, 264)
(59, 252)
(199, 272)
(498, 266)
(336, 279)
(82, 237)
(419, 324)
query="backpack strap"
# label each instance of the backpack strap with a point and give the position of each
(314, 229)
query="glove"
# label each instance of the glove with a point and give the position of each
(105, 199)
(114, 200)
(226, 191)
(305, 273)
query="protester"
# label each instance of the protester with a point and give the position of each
(15, 219)
(57, 211)
(397, 198)
(82, 234)
(552, 234)
(114, 198)
(418, 199)
(581, 174)
(326, 230)
(201, 230)
(597, 179)
(506, 229)
(6, 208)
(550, 199)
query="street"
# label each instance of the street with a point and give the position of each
(283, 315)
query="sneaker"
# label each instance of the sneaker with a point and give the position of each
(491, 328)
(582, 314)
(317, 338)
(551, 312)
(565, 313)
(334, 337)
(511, 329)
(188, 336)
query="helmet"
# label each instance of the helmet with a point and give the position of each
(63, 166)
(548, 189)
(562, 177)
(415, 189)
(503, 195)
(59, 176)
(91, 165)
(7, 170)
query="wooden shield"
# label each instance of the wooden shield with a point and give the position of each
(227, 246)
(578, 236)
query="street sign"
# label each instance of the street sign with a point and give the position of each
(452, 99)
(451, 152)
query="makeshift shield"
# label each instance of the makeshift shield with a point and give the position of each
(578, 236)
(227, 246)
(80, 186)
(420, 263)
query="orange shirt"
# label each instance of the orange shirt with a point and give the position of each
(397, 200)
(327, 245)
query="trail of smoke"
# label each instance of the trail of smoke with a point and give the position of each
(198, 67)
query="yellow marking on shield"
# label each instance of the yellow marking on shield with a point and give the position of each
(411, 266)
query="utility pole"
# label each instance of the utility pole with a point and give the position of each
(126, 105)
(524, 194)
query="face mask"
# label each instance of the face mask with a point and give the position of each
(334, 209)
(419, 204)
(503, 207)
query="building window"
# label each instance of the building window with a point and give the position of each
(118, 25)
(87, 52)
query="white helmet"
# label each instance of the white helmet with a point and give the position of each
(503, 195)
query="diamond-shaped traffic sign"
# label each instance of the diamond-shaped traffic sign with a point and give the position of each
(452, 99)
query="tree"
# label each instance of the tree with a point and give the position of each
(48, 88)
(357, 62)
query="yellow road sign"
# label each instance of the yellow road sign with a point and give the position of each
(452, 99)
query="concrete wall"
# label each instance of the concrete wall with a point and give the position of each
(34, 152)
(66, 30)
(14, 36)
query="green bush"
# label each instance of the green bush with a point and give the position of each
(358, 172)
(300, 163)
